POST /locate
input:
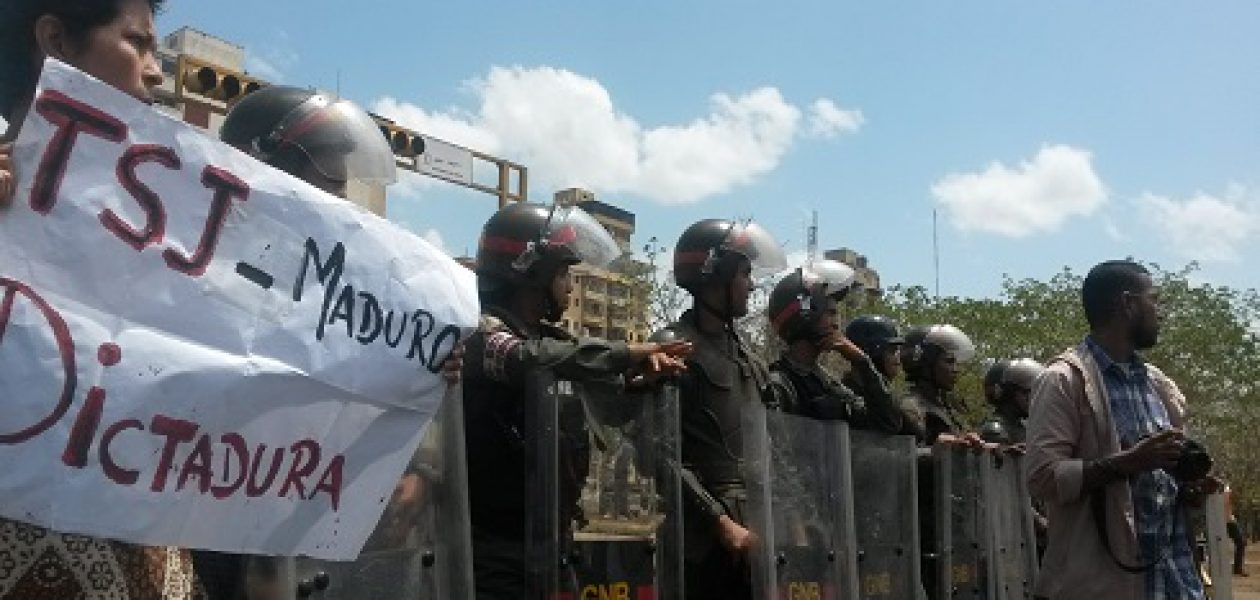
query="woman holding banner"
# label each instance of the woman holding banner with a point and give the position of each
(116, 42)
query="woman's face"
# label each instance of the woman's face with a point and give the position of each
(121, 53)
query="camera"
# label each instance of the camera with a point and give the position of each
(1194, 463)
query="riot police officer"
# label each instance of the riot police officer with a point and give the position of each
(326, 143)
(934, 367)
(880, 338)
(1010, 402)
(716, 260)
(1011, 395)
(802, 312)
(523, 261)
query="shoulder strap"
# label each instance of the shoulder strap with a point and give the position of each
(1097, 501)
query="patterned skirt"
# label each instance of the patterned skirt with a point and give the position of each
(38, 564)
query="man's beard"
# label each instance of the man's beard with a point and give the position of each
(1145, 339)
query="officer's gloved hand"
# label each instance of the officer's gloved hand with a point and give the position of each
(837, 342)
(735, 537)
(454, 365)
(660, 360)
(8, 181)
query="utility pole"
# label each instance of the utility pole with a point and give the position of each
(936, 255)
(811, 241)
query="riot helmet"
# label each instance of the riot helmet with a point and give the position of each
(878, 337)
(993, 381)
(709, 251)
(949, 339)
(525, 245)
(911, 351)
(292, 128)
(801, 298)
(994, 432)
(941, 353)
(1022, 373)
(1017, 383)
(873, 333)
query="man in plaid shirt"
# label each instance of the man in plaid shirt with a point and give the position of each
(1104, 436)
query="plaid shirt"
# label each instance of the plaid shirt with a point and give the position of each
(1161, 523)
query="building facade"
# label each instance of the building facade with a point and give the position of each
(608, 303)
(865, 276)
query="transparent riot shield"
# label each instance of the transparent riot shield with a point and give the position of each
(1014, 543)
(1220, 549)
(421, 547)
(796, 509)
(603, 508)
(885, 507)
(964, 537)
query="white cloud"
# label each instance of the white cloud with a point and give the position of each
(1205, 227)
(1037, 196)
(566, 128)
(1113, 231)
(826, 120)
(434, 237)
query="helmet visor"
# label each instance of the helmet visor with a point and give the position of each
(574, 229)
(341, 140)
(758, 246)
(828, 278)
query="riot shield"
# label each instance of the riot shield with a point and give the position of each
(603, 506)
(796, 510)
(420, 548)
(964, 537)
(1014, 542)
(885, 495)
(1220, 549)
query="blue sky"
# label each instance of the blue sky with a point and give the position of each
(1045, 134)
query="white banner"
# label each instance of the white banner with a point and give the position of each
(197, 350)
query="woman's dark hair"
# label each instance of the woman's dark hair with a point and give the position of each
(19, 70)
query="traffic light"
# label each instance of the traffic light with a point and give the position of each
(216, 82)
(404, 142)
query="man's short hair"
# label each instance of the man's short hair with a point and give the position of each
(1104, 284)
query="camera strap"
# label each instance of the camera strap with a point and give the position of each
(1098, 503)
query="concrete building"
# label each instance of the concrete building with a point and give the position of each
(867, 277)
(606, 303)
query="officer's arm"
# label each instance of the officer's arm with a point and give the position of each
(504, 357)
(878, 409)
(693, 489)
